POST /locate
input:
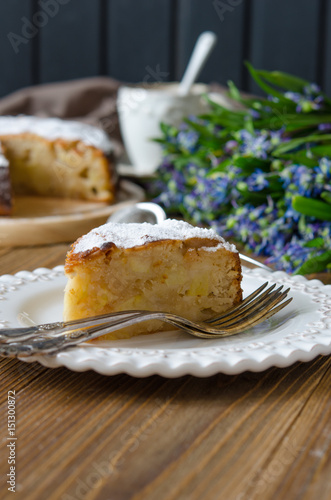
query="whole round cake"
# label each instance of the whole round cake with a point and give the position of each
(54, 158)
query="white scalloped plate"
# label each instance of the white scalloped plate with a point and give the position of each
(299, 333)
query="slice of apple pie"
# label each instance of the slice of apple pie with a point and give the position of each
(171, 267)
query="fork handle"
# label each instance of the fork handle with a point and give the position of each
(48, 330)
(32, 347)
(40, 345)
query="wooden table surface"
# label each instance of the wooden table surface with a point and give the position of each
(86, 436)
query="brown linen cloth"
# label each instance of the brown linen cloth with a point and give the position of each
(90, 100)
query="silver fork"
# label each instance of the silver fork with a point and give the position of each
(51, 338)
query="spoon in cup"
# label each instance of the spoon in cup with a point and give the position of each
(202, 50)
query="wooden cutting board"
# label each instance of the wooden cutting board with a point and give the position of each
(39, 221)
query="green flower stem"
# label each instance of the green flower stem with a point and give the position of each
(316, 264)
(313, 208)
(326, 196)
(294, 143)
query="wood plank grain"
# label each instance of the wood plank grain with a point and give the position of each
(284, 36)
(226, 61)
(69, 42)
(139, 47)
(309, 476)
(248, 436)
(17, 259)
(16, 45)
(225, 455)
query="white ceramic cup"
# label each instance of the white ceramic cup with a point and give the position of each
(142, 108)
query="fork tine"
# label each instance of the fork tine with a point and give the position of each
(263, 317)
(258, 301)
(248, 299)
(240, 329)
(253, 308)
(267, 304)
(259, 316)
(210, 332)
(272, 312)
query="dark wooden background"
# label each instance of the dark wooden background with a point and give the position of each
(151, 40)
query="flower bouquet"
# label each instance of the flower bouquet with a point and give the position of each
(259, 174)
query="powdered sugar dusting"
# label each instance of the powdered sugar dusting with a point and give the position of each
(54, 128)
(222, 244)
(135, 235)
